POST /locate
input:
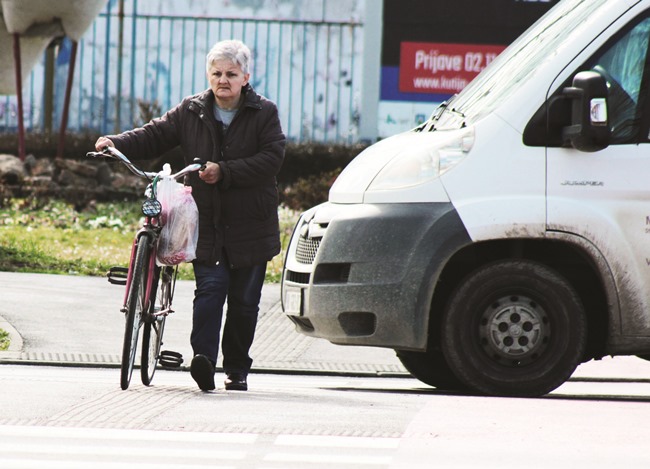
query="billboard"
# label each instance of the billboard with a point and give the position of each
(439, 68)
(431, 49)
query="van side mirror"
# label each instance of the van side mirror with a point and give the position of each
(589, 130)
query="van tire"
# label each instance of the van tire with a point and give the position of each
(514, 328)
(431, 368)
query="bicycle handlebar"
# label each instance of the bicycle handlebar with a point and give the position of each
(114, 153)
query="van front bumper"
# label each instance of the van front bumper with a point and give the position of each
(365, 274)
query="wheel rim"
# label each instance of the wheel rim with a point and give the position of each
(137, 323)
(154, 344)
(514, 330)
(154, 327)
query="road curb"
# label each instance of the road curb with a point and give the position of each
(15, 340)
(16, 359)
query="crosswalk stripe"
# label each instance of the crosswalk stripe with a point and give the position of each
(125, 434)
(70, 464)
(336, 441)
(35, 447)
(145, 449)
(327, 458)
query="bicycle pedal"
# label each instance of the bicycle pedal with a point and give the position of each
(117, 275)
(162, 313)
(170, 359)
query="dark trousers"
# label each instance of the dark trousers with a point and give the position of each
(243, 290)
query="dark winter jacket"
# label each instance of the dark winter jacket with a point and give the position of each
(239, 213)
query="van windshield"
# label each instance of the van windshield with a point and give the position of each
(516, 64)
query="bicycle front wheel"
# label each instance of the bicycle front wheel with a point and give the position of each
(135, 305)
(155, 325)
(151, 343)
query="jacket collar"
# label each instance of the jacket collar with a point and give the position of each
(251, 98)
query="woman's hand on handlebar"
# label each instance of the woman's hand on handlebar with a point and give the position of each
(212, 173)
(103, 142)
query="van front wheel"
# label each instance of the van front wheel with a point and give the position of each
(431, 368)
(514, 328)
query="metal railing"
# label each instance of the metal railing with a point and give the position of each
(133, 67)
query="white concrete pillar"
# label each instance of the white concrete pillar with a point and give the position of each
(370, 88)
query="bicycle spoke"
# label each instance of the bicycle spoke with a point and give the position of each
(155, 326)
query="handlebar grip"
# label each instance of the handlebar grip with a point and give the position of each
(201, 162)
(97, 154)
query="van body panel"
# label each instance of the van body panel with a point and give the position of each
(499, 190)
(353, 184)
(604, 197)
(589, 196)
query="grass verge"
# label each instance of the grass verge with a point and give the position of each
(54, 238)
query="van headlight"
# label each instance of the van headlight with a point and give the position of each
(415, 166)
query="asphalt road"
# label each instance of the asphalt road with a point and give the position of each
(311, 404)
(75, 417)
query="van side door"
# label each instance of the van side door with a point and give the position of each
(602, 198)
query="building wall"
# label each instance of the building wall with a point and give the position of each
(141, 57)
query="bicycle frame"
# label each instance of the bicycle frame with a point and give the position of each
(143, 278)
(150, 229)
(149, 234)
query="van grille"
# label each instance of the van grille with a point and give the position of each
(307, 249)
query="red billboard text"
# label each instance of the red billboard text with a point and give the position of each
(427, 67)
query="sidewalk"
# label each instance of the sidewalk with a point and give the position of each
(72, 320)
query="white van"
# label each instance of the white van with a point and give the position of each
(507, 239)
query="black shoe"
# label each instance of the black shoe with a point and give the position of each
(202, 370)
(236, 382)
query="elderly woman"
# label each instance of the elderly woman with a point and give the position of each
(238, 132)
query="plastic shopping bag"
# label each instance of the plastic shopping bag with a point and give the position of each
(180, 220)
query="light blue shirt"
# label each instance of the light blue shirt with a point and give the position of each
(225, 116)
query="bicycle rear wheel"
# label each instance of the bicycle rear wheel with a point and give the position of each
(135, 305)
(155, 325)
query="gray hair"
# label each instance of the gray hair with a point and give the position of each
(231, 49)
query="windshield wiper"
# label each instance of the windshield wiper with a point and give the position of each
(439, 110)
(430, 124)
(457, 112)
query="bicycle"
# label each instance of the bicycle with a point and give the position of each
(149, 286)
